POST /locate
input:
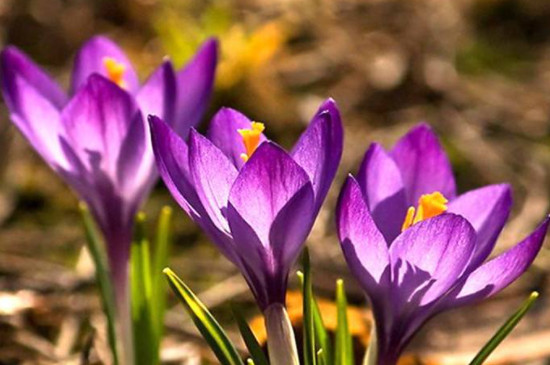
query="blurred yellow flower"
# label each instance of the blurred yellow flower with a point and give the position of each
(243, 54)
(244, 49)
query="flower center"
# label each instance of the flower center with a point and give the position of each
(251, 139)
(429, 205)
(115, 71)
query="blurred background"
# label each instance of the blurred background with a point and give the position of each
(478, 71)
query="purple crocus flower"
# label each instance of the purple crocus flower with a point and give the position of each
(256, 201)
(97, 138)
(414, 263)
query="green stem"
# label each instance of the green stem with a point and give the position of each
(103, 279)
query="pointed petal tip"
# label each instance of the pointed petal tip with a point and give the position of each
(14, 57)
(422, 126)
(207, 53)
(153, 119)
(329, 103)
(15, 63)
(99, 40)
(211, 44)
(194, 137)
(421, 129)
(499, 272)
(167, 63)
(226, 110)
(193, 133)
(373, 148)
(157, 127)
(545, 223)
(331, 107)
(350, 179)
(507, 192)
(10, 53)
(424, 165)
(350, 184)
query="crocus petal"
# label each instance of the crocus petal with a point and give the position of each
(498, 273)
(97, 119)
(255, 261)
(34, 102)
(172, 157)
(14, 64)
(365, 251)
(428, 257)
(39, 121)
(194, 83)
(157, 96)
(266, 183)
(319, 149)
(364, 247)
(270, 214)
(487, 210)
(213, 175)
(291, 227)
(131, 177)
(223, 132)
(90, 59)
(424, 165)
(382, 186)
(266, 268)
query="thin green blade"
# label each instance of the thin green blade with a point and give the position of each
(504, 330)
(310, 356)
(344, 346)
(102, 277)
(322, 338)
(160, 261)
(256, 352)
(321, 360)
(146, 343)
(210, 329)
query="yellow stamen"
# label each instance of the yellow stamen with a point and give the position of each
(251, 139)
(408, 219)
(429, 205)
(115, 71)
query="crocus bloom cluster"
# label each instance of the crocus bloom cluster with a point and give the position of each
(96, 138)
(256, 201)
(415, 246)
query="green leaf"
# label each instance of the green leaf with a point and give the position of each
(504, 330)
(102, 276)
(146, 341)
(344, 346)
(321, 359)
(160, 261)
(310, 356)
(322, 338)
(148, 288)
(210, 329)
(254, 348)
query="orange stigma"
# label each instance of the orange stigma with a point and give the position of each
(429, 205)
(115, 71)
(251, 139)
